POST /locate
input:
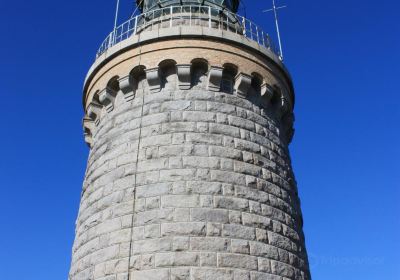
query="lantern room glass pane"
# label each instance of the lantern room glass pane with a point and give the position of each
(148, 5)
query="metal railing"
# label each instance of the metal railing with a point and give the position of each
(205, 16)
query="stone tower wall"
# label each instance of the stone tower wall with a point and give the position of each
(189, 175)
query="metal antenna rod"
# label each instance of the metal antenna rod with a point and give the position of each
(137, 7)
(274, 9)
(116, 16)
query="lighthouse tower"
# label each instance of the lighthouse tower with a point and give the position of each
(188, 116)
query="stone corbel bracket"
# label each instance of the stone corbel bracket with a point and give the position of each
(93, 112)
(88, 127)
(153, 79)
(214, 78)
(184, 76)
(107, 98)
(274, 94)
(285, 114)
(126, 86)
(242, 84)
(267, 92)
(283, 107)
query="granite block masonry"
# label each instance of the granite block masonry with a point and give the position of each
(189, 174)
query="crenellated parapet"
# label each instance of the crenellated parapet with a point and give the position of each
(176, 60)
(198, 75)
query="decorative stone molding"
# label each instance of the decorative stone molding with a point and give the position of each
(214, 78)
(93, 112)
(153, 79)
(126, 86)
(184, 76)
(215, 52)
(242, 84)
(107, 97)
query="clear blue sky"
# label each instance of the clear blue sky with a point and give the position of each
(344, 57)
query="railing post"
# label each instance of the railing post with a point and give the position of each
(159, 19)
(244, 26)
(181, 14)
(129, 28)
(190, 15)
(209, 16)
(170, 22)
(236, 25)
(135, 30)
(110, 38)
(262, 34)
(152, 21)
(258, 38)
